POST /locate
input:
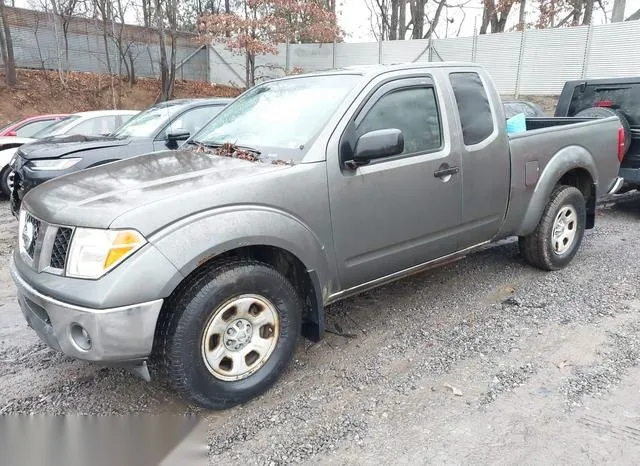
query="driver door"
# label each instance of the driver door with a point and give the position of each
(400, 211)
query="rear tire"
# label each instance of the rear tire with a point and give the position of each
(556, 239)
(229, 333)
(4, 181)
(604, 112)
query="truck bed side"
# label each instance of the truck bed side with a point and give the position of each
(540, 158)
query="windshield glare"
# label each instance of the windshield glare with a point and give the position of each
(285, 114)
(146, 123)
(56, 128)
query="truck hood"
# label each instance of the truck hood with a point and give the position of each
(97, 196)
(51, 148)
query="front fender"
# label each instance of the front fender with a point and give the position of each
(194, 240)
(562, 162)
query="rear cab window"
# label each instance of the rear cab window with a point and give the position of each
(474, 109)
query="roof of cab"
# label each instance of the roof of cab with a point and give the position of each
(374, 70)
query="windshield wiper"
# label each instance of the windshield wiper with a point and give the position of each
(216, 145)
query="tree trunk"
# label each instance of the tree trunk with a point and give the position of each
(132, 76)
(402, 19)
(436, 18)
(417, 17)
(617, 15)
(588, 12)
(577, 12)
(7, 49)
(393, 25)
(522, 18)
(164, 64)
(487, 12)
(501, 22)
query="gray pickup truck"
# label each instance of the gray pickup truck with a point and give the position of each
(214, 258)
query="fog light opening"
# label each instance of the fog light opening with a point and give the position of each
(80, 337)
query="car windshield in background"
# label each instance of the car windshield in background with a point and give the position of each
(4, 128)
(56, 128)
(146, 123)
(280, 115)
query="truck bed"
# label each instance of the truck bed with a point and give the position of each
(532, 150)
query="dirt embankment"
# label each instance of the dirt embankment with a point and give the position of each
(39, 92)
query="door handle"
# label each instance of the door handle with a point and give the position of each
(446, 172)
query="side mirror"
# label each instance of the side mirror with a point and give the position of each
(378, 144)
(12, 133)
(178, 135)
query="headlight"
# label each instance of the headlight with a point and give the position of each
(94, 252)
(14, 157)
(52, 164)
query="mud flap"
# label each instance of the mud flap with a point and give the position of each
(591, 208)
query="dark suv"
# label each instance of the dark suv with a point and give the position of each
(601, 98)
(160, 127)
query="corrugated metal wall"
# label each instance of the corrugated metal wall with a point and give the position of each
(614, 50)
(552, 57)
(536, 62)
(40, 43)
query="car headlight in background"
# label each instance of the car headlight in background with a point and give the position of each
(94, 252)
(52, 164)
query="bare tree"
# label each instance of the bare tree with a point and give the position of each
(105, 11)
(389, 17)
(495, 15)
(166, 9)
(6, 44)
(617, 14)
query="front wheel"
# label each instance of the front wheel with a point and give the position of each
(556, 239)
(4, 181)
(230, 333)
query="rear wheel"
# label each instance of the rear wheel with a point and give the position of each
(4, 181)
(556, 239)
(604, 112)
(230, 333)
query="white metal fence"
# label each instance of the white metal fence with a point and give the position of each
(534, 62)
(41, 40)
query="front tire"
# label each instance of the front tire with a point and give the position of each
(556, 239)
(230, 333)
(4, 181)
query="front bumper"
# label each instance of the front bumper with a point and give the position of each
(119, 334)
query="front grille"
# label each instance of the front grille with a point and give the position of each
(32, 238)
(60, 248)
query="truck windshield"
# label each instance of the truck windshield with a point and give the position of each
(280, 116)
(148, 122)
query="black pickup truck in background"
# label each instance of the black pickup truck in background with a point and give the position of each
(602, 98)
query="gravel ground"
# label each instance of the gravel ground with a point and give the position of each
(483, 361)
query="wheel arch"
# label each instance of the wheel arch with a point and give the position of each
(572, 166)
(284, 243)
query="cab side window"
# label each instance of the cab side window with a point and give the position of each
(474, 109)
(413, 111)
